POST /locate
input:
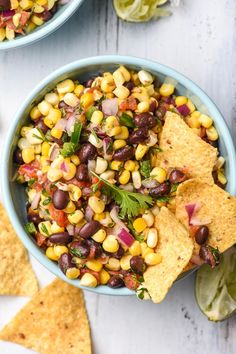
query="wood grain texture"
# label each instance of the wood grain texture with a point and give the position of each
(199, 40)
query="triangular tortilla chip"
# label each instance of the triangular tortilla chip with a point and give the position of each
(176, 247)
(53, 322)
(16, 274)
(184, 149)
(217, 210)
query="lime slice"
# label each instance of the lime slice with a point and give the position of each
(215, 289)
(139, 10)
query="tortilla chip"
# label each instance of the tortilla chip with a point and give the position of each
(176, 247)
(53, 322)
(16, 274)
(182, 148)
(217, 207)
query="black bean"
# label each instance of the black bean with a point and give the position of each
(177, 176)
(95, 248)
(18, 157)
(129, 85)
(82, 173)
(62, 104)
(118, 254)
(124, 154)
(139, 135)
(40, 124)
(207, 256)
(145, 120)
(46, 15)
(80, 249)
(60, 199)
(5, 5)
(201, 235)
(89, 229)
(87, 152)
(115, 282)
(160, 191)
(35, 218)
(137, 265)
(61, 238)
(65, 262)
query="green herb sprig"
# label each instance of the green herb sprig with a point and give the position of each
(69, 148)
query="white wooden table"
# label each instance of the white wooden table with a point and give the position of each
(198, 40)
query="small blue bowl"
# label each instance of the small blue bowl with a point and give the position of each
(13, 193)
(63, 13)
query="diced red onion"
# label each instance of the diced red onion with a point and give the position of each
(191, 210)
(125, 237)
(106, 153)
(116, 219)
(54, 152)
(89, 213)
(183, 110)
(64, 167)
(63, 2)
(86, 191)
(62, 186)
(91, 165)
(61, 124)
(110, 106)
(36, 200)
(196, 222)
(71, 229)
(8, 14)
(150, 183)
(70, 123)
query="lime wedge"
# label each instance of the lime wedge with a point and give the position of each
(215, 289)
(139, 10)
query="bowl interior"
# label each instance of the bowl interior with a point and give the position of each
(14, 194)
(62, 15)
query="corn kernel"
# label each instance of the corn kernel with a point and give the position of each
(125, 262)
(65, 86)
(135, 249)
(99, 217)
(97, 117)
(221, 177)
(121, 92)
(86, 100)
(147, 251)
(113, 264)
(152, 238)
(71, 99)
(28, 154)
(37, 149)
(180, 100)
(88, 280)
(56, 133)
(191, 106)
(75, 217)
(16, 19)
(166, 89)
(94, 265)
(43, 108)
(45, 149)
(124, 134)
(110, 244)
(75, 159)
(54, 174)
(152, 259)
(24, 131)
(96, 204)
(118, 144)
(205, 121)
(2, 34)
(78, 90)
(118, 77)
(45, 228)
(107, 84)
(50, 253)
(72, 273)
(99, 236)
(37, 20)
(70, 173)
(193, 121)
(74, 192)
(148, 217)
(14, 4)
(26, 4)
(116, 165)
(111, 122)
(141, 150)
(114, 131)
(143, 107)
(70, 208)
(59, 250)
(212, 133)
(30, 27)
(104, 276)
(159, 174)
(139, 224)
(101, 165)
(10, 33)
(124, 177)
(125, 73)
(55, 228)
(130, 165)
(52, 98)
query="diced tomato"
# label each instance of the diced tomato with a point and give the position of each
(24, 18)
(79, 183)
(58, 215)
(86, 270)
(128, 103)
(28, 170)
(40, 239)
(131, 282)
(193, 229)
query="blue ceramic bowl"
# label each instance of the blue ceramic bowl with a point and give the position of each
(61, 16)
(14, 196)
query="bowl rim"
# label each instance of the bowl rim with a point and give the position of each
(45, 30)
(100, 60)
